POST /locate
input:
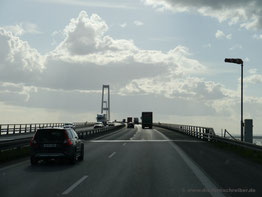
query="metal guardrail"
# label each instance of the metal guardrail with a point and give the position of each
(88, 133)
(207, 134)
(83, 124)
(17, 143)
(204, 133)
(20, 129)
(84, 134)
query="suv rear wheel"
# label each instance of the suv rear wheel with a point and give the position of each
(73, 158)
(81, 157)
(33, 160)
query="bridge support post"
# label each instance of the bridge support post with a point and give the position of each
(198, 136)
(248, 130)
(107, 102)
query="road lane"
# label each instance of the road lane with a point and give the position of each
(30, 181)
(142, 169)
(121, 134)
(230, 170)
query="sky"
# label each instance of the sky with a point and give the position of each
(165, 56)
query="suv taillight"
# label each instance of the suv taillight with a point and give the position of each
(67, 140)
(33, 142)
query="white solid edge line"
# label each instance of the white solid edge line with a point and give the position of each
(196, 170)
(68, 190)
(131, 141)
(110, 156)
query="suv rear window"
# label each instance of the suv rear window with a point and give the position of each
(47, 135)
(69, 133)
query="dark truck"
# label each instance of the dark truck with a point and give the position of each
(130, 123)
(136, 121)
(147, 120)
(129, 119)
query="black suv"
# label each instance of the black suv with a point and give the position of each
(55, 143)
(130, 125)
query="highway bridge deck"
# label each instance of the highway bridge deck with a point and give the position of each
(138, 162)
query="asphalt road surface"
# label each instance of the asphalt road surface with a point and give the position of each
(138, 162)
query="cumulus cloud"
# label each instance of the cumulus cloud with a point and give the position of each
(15, 93)
(18, 61)
(253, 79)
(236, 47)
(221, 35)
(189, 89)
(175, 86)
(87, 58)
(22, 28)
(248, 14)
(93, 57)
(83, 35)
(123, 25)
(258, 37)
(17, 30)
(138, 23)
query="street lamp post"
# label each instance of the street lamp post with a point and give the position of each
(239, 61)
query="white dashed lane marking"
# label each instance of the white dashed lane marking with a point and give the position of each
(110, 156)
(68, 190)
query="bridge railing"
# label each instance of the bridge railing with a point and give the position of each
(20, 129)
(90, 133)
(83, 124)
(204, 133)
(207, 134)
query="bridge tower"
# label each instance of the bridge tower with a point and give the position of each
(106, 102)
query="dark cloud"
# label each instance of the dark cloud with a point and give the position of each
(247, 13)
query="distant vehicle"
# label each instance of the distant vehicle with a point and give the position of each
(101, 118)
(147, 120)
(98, 125)
(124, 120)
(69, 125)
(55, 143)
(130, 125)
(111, 124)
(129, 119)
(136, 121)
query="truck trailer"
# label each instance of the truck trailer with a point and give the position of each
(136, 121)
(129, 119)
(101, 118)
(147, 120)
